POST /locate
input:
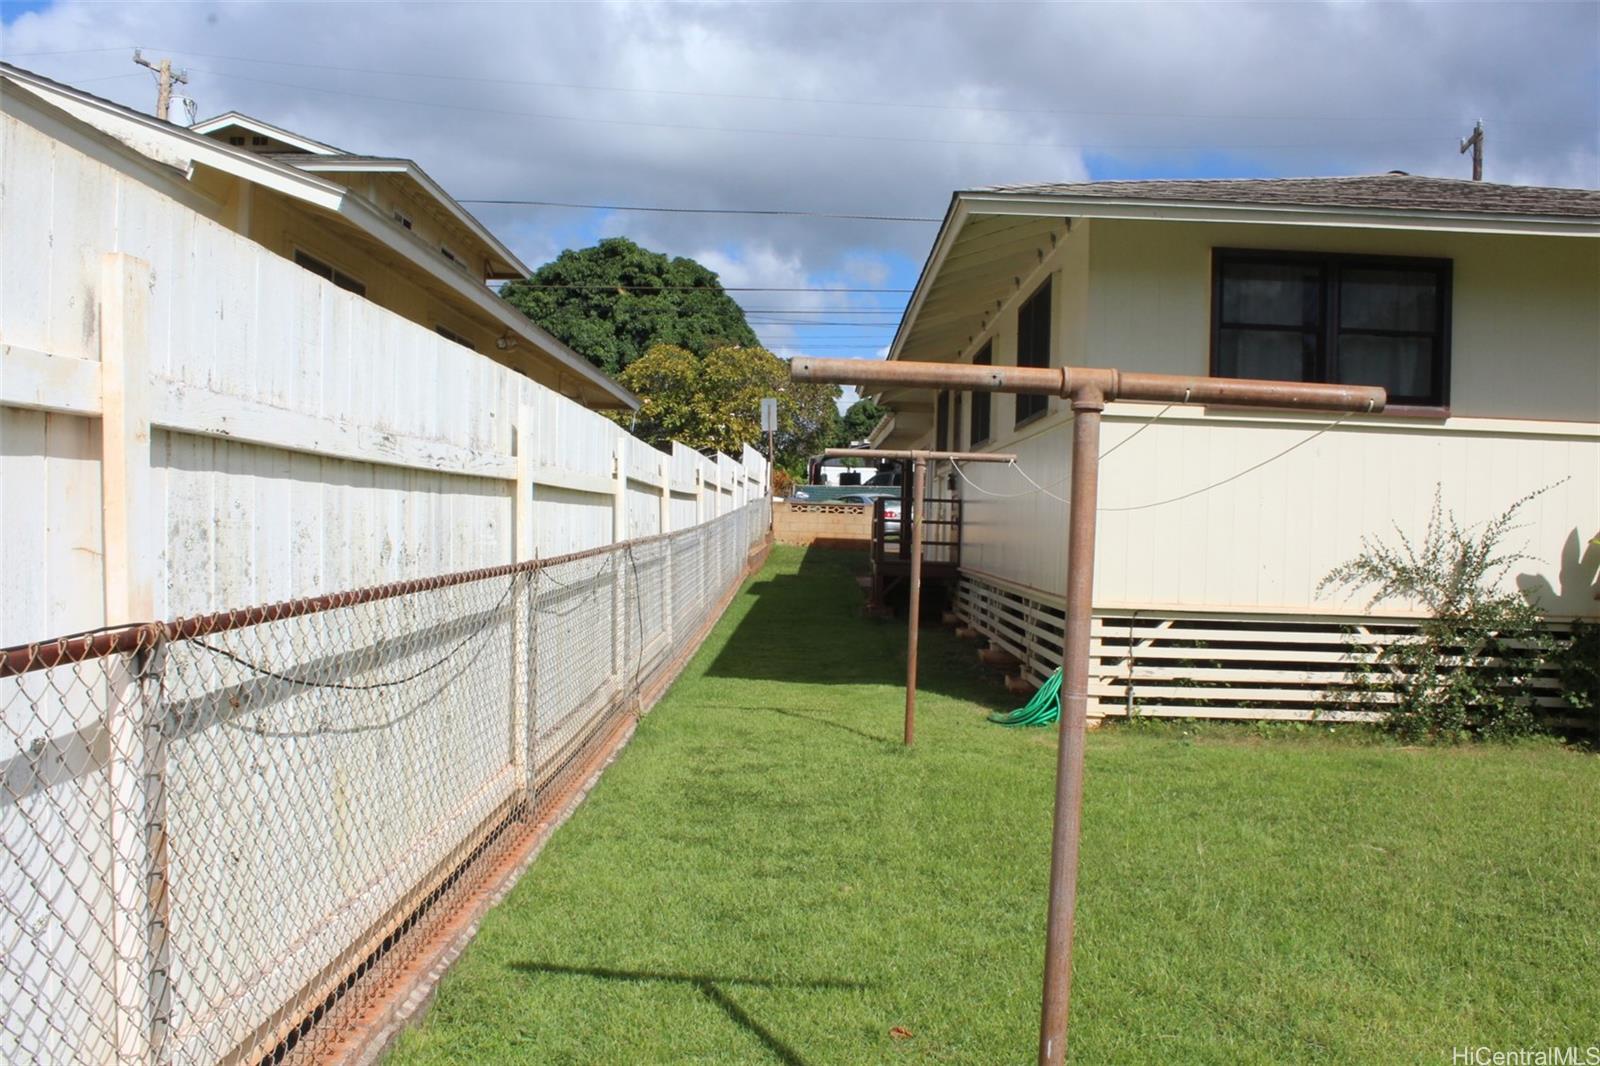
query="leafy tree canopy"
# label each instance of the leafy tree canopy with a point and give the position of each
(613, 302)
(858, 420)
(714, 403)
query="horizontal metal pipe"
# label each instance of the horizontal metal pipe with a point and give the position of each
(958, 376)
(1111, 384)
(930, 456)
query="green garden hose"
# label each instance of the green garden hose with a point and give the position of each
(1043, 709)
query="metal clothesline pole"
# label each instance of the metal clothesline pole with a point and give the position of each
(919, 461)
(1089, 389)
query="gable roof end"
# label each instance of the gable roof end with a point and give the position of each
(236, 119)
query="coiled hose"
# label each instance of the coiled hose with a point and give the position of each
(1043, 709)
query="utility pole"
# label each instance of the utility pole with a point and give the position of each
(769, 425)
(1475, 142)
(166, 78)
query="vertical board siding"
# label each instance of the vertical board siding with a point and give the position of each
(248, 333)
(1265, 538)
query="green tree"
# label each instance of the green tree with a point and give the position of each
(611, 303)
(859, 419)
(714, 403)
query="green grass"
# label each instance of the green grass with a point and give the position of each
(765, 875)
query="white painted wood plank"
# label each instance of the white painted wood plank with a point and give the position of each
(45, 382)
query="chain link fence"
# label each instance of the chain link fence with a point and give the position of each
(217, 834)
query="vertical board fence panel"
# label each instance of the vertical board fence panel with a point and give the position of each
(205, 828)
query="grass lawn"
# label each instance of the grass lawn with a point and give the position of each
(765, 875)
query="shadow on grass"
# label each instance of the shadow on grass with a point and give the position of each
(829, 723)
(808, 626)
(705, 985)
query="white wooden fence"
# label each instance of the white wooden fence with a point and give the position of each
(189, 424)
(266, 435)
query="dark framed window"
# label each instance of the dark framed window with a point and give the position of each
(978, 429)
(1033, 347)
(451, 335)
(1346, 319)
(323, 270)
(941, 423)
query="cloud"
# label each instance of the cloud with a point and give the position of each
(874, 107)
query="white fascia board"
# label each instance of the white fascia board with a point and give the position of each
(267, 129)
(335, 198)
(197, 149)
(367, 218)
(429, 186)
(1272, 214)
(23, 104)
(954, 218)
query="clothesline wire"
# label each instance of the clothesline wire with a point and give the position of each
(1013, 495)
(1038, 488)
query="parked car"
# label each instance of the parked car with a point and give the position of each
(891, 507)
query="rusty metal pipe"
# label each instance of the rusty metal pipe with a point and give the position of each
(1086, 405)
(1110, 384)
(1089, 390)
(913, 455)
(914, 624)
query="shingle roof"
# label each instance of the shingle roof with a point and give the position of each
(1396, 192)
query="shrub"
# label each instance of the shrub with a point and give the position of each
(1577, 666)
(1469, 668)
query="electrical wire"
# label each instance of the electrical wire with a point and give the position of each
(621, 286)
(918, 105)
(765, 212)
(1319, 146)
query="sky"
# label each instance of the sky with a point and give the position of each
(856, 108)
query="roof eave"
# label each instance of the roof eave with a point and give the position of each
(954, 216)
(1042, 204)
(336, 198)
(504, 255)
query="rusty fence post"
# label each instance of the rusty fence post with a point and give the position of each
(1087, 407)
(914, 623)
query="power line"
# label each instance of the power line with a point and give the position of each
(605, 287)
(73, 52)
(824, 134)
(768, 212)
(822, 310)
(918, 105)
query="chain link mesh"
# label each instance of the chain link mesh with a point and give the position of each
(216, 835)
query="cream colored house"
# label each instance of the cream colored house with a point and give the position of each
(1476, 305)
(381, 228)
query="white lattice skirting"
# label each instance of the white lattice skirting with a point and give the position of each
(1194, 665)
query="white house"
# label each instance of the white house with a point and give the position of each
(1476, 305)
(375, 226)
